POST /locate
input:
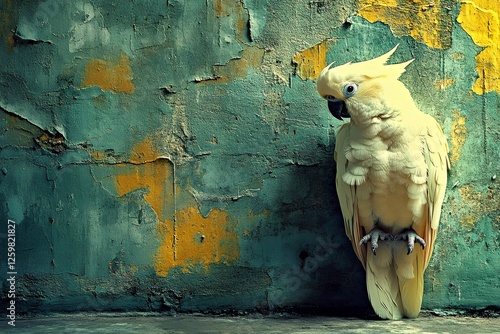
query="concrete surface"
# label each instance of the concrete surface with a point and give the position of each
(191, 324)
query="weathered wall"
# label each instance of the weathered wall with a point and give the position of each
(174, 155)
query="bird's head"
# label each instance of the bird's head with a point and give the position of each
(364, 90)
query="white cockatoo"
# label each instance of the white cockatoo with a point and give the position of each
(392, 163)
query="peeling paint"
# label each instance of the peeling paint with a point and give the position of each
(257, 17)
(458, 135)
(55, 143)
(427, 22)
(193, 239)
(18, 130)
(477, 204)
(480, 19)
(114, 76)
(187, 238)
(149, 172)
(235, 11)
(237, 68)
(88, 32)
(445, 83)
(311, 61)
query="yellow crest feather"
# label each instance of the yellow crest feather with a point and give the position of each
(377, 67)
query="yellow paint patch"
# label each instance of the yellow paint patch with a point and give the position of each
(144, 152)
(458, 135)
(480, 19)
(458, 55)
(425, 21)
(476, 205)
(444, 83)
(193, 239)
(148, 172)
(113, 76)
(311, 61)
(251, 57)
(187, 238)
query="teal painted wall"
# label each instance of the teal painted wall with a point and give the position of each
(175, 156)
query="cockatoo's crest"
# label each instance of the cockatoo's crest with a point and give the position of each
(377, 67)
(361, 71)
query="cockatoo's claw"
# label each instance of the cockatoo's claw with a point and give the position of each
(411, 237)
(374, 236)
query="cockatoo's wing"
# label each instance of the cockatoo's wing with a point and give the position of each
(347, 195)
(411, 267)
(435, 150)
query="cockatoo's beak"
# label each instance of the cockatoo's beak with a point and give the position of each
(337, 107)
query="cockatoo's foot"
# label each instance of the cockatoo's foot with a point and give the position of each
(374, 236)
(411, 236)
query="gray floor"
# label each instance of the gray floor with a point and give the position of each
(85, 323)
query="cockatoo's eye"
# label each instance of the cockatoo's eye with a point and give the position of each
(350, 89)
